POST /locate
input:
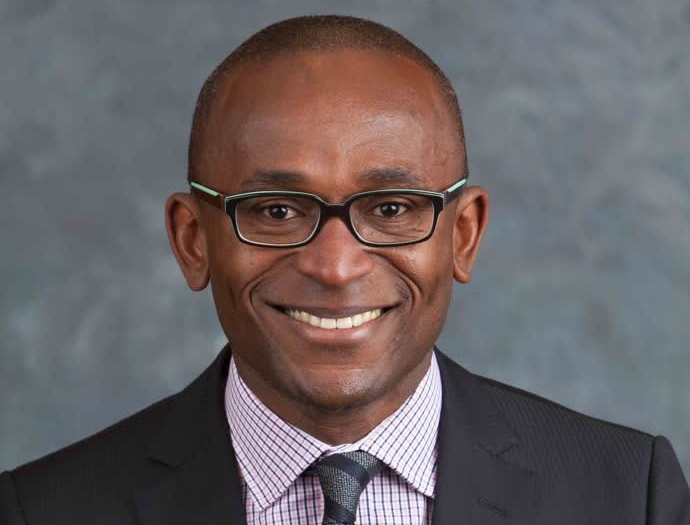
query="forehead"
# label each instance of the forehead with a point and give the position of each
(329, 115)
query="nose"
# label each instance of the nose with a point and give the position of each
(335, 257)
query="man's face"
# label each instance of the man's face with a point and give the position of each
(329, 119)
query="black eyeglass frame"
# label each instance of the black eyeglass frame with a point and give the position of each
(228, 203)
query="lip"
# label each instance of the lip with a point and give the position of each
(324, 336)
(332, 313)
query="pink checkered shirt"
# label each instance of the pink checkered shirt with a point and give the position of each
(273, 455)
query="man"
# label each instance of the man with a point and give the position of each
(329, 212)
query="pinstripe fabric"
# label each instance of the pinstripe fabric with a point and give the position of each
(273, 455)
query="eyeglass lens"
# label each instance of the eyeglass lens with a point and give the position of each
(385, 219)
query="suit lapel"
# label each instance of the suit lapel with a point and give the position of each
(203, 485)
(476, 483)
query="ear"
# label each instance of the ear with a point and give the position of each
(187, 239)
(471, 220)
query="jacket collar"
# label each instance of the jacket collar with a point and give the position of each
(194, 442)
(477, 483)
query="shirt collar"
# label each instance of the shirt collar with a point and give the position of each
(272, 453)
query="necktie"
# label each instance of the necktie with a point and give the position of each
(343, 478)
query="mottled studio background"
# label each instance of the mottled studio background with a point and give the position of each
(578, 123)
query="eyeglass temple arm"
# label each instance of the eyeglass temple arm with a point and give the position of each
(212, 197)
(218, 200)
(455, 190)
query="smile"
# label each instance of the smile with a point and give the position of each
(330, 323)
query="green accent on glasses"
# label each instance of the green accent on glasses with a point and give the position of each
(287, 219)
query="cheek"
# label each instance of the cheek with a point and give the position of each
(429, 268)
(441, 267)
(234, 267)
(429, 272)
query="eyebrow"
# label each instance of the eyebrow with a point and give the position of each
(269, 179)
(377, 177)
(392, 177)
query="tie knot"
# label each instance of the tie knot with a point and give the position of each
(343, 478)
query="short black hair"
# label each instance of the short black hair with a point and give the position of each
(319, 33)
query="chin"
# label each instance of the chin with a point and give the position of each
(340, 390)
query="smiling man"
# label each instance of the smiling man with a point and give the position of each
(329, 211)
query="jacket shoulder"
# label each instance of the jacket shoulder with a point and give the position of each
(535, 418)
(570, 452)
(111, 445)
(575, 453)
(589, 467)
(93, 480)
(524, 408)
(97, 472)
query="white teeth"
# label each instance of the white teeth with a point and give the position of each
(330, 323)
(345, 322)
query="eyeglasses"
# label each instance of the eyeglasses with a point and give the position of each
(287, 219)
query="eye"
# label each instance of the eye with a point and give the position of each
(278, 211)
(390, 209)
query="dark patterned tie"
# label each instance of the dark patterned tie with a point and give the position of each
(343, 478)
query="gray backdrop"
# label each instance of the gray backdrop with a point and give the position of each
(578, 123)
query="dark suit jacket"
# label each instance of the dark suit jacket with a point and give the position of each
(506, 457)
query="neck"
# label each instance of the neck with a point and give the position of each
(330, 423)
